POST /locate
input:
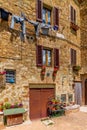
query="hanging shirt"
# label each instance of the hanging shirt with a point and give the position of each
(4, 14)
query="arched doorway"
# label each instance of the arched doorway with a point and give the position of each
(86, 92)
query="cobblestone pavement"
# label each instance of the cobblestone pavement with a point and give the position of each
(73, 121)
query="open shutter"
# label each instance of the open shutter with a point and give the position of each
(39, 55)
(56, 18)
(39, 10)
(56, 58)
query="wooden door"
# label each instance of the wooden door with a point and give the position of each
(35, 107)
(86, 92)
(78, 93)
(45, 95)
(38, 102)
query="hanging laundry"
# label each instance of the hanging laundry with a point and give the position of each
(37, 25)
(4, 14)
(21, 21)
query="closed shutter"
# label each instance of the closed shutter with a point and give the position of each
(73, 57)
(56, 17)
(39, 10)
(56, 58)
(74, 16)
(71, 14)
(39, 55)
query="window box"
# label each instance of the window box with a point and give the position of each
(74, 26)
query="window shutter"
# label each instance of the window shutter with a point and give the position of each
(56, 58)
(74, 57)
(71, 14)
(71, 56)
(39, 55)
(74, 16)
(39, 10)
(56, 17)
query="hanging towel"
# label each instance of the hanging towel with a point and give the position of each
(21, 21)
(4, 14)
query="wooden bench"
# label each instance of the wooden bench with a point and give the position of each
(13, 116)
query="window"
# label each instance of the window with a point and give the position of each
(44, 56)
(47, 57)
(46, 16)
(44, 13)
(73, 19)
(10, 76)
(73, 57)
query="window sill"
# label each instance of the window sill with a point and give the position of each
(74, 26)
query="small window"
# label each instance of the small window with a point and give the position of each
(63, 98)
(10, 76)
(46, 16)
(47, 57)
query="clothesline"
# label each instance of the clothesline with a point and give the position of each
(21, 20)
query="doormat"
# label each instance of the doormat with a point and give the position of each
(83, 108)
(47, 121)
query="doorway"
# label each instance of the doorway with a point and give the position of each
(86, 92)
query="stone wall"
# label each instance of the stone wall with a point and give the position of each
(21, 56)
(83, 10)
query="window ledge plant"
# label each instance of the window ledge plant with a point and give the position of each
(55, 71)
(76, 68)
(43, 70)
(74, 26)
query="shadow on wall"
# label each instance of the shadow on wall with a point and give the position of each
(4, 26)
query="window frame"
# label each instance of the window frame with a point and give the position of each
(46, 15)
(47, 49)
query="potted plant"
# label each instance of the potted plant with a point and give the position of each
(55, 71)
(43, 70)
(76, 68)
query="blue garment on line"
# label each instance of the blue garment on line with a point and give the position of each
(20, 20)
(4, 14)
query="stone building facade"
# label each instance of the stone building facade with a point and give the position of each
(83, 14)
(18, 57)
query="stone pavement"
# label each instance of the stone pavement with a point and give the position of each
(73, 121)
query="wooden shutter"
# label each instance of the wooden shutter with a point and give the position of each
(56, 58)
(73, 57)
(56, 17)
(71, 14)
(39, 10)
(39, 55)
(74, 16)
